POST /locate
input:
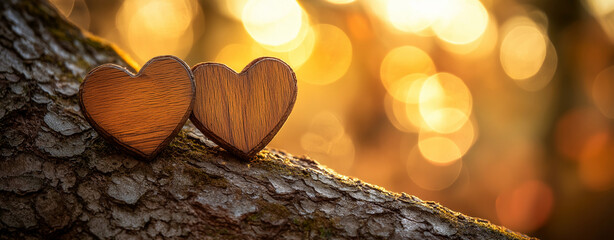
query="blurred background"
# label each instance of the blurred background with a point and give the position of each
(498, 109)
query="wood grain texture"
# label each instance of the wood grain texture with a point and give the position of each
(72, 185)
(142, 112)
(242, 112)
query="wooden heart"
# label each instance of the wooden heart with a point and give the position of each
(242, 112)
(142, 112)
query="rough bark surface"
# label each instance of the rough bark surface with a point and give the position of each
(58, 179)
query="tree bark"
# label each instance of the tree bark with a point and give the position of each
(58, 179)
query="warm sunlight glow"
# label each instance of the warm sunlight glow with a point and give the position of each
(358, 26)
(461, 21)
(527, 55)
(235, 56)
(377, 7)
(525, 207)
(479, 48)
(331, 57)
(401, 67)
(169, 31)
(328, 142)
(413, 92)
(545, 74)
(454, 145)
(600, 7)
(407, 89)
(304, 30)
(445, 102)
(602, 10)
(272, 22)
(430, 176)
(439, 150)
(496, 109)
(232, 8)
(413, 15)
(403, 116)
(340, 1)
(523, 51)
(295, 57)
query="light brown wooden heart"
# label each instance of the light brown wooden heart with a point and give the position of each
(242, 112)
(142, 112)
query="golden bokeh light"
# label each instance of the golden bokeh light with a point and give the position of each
(358, 26)
(376, 7)
(412, 15)
(327, 125)
(525, 207)
(602, 11)
(272, 22)
(453, 21)
(296, 56)
(398, 120)
(444, 149)
(603, 92)
(330, 59)
(404, 117)
(412, 112)
(430, 176)
(479, 48)
(600, 7)
(401, 67)
(523, 49)
(439, 150)
(340, 1)
(305, 30)
(407, 89)
(232, 8)
(445, 102)
(416, 81)
(170, 31)
(235, 56)
(545, 73)
(461, 21)
(329, 143)
(498, 109)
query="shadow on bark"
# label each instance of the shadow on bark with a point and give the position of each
(58, 179)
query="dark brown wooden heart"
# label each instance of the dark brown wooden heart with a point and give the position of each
(142, 112)
(242, 112)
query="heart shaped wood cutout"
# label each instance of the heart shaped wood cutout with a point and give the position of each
(242, 112)
(142, 112)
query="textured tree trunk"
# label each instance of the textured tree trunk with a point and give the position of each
(58, 179)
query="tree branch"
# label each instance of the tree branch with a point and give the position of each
(59, 179)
